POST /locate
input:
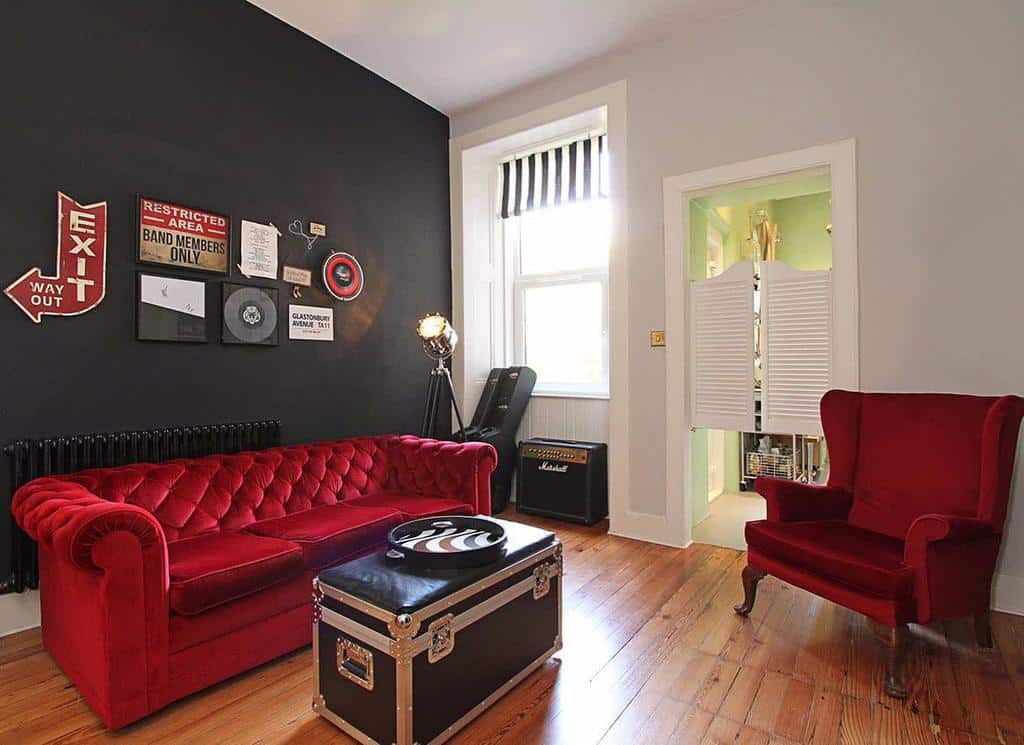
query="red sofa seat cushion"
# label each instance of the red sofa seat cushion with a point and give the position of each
(327, 535)
(867, 561)
(413, 506)
(216, 568)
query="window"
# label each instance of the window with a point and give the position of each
(558, 267)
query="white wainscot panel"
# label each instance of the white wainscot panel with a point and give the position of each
(569, 418)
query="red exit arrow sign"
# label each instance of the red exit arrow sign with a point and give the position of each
(81, 279)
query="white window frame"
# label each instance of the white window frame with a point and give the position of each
(518, 283)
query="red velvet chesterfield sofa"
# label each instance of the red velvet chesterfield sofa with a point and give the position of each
(160, 579)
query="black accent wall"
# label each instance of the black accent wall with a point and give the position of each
(220, 106)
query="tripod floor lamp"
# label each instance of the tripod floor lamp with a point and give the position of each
(439, 340)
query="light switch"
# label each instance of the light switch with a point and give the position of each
(658, 338)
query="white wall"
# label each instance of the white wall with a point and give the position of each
(932, 93)
(18, 612)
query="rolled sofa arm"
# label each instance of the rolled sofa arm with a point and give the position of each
(792, 501)
(115, 555)
(70, 520)
(940, 527)
(457, 470)
(932, 528)
(954, 560)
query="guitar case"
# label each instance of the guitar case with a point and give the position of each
(496, 420)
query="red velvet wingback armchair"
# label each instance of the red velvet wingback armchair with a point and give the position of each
(908, 528)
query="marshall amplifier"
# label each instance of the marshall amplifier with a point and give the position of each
(564, 479)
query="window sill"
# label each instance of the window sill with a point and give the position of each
(556, 394)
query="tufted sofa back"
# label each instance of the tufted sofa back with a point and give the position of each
(227, 492)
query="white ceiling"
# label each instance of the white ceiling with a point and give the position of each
(456, 53)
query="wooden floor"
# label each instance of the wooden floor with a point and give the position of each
(653, 654)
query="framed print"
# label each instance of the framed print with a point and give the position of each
(250, 315)
(171, 309)
(183, 237)
(310, 323)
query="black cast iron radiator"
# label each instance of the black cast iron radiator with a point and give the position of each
(30, 459)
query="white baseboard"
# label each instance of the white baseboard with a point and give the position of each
(18, 611)
(1008, 594)
(642, 526)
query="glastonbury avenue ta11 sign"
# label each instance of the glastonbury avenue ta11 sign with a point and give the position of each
(80, 282)
(180, 236)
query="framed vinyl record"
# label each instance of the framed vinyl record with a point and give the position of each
(250, 315)
(343, 277)
(171, 309)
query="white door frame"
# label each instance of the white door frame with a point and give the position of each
(841, 160)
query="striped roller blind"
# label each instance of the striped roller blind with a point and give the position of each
(547, 178)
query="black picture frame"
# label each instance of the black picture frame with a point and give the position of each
(249, 313)
(155, 323)
(143, 258)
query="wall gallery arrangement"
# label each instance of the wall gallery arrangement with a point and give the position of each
(310, 323)
(174, 309)
(250, 315)
(182, 237)
(80, 282)
(343, 277)
(171, 309)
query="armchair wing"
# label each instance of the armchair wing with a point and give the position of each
(461, 469)
(108, 561)
(791, 501)
(953, 558)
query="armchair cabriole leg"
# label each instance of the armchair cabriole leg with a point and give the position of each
(983, 629)
(751, 577)
(894, 667)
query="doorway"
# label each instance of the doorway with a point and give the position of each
(796, 212)
(747, 228)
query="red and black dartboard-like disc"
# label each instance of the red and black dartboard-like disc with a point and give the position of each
(343, 277)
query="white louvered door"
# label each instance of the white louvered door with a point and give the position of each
(796, 347)
(722, 352)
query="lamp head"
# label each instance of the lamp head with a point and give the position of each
(438, 336)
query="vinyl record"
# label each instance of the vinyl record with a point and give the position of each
(250, 315)
(343, 277)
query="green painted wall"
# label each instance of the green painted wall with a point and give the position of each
(802, 220)
(698, 241)
(699, 474)
(731, 473)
